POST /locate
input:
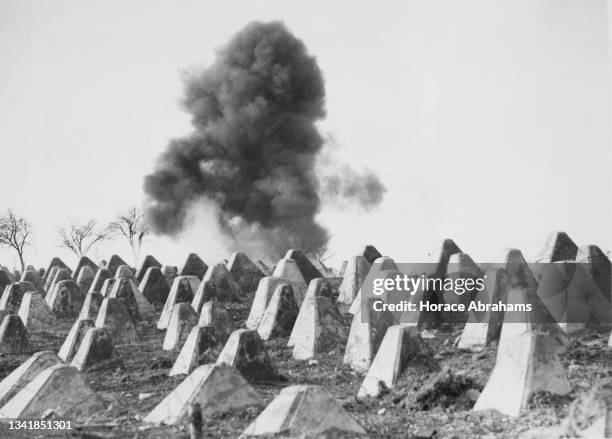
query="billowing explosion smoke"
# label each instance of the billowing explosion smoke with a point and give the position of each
(254, 145)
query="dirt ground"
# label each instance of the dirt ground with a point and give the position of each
(135, 388)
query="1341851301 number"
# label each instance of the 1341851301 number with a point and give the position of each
(39, 425)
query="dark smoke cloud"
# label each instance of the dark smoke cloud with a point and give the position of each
(254, 146)
(348, 186)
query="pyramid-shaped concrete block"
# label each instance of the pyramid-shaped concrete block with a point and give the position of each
(67, 299)
(73, 339)
(518, 271)
(307, 268)
(56, 263)
(324, 287)
(124, 271)
(280, 315)
(182, 319)
(401, 348)
(60, 275)
(13, 295)
(214, 314)
(5, 280)
(206, 292)
(26, 372)
(96, 347)
(572, 297)
(365, 336)
(448, 247)
(216, 388)
(370, 253)
(182, 291)
(598, 266)
(136, 304)
(379, 265)
(41, 395)
(558, 247)
(32, 277)
(527, 362)
(154, 286)
(288, 270)
(202, 343)
(225, 287)
(115, 318)
(85, 278)
(101, 275)
(245, 350)
(107, 286)
(35, 313)
(147, 262)
(303, 411)
(356, 271)
(14, 338)
(266, 287)
(193, 266)
(84, 261)
(91, 306)
(484, 327)
(244, 271)
(319, 329)
(114, 263)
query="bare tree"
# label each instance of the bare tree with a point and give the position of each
(80, 238)
(131, 226)
(16, 233)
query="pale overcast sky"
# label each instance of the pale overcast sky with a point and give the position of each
(488, 120)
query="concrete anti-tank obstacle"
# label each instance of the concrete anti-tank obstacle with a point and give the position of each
(401, 348)
(280, 314)
(370, 253)
(170, 272)
(245, 350)
(265, 288)
(13, 295)
(244, 271)
(379, 265)
(33, 277)
(319, 329)
(101, 275)
(201, 342)
(35, 313)
(5, 280)
(67, 299)
(148, 261)
(73, 339)
(598, 266)
(219, 281)
(91, 306)
(460, 267)
(558, 247)
(59, 388)
(96, 347)
(216, 388)
(114, 263)
(303, 411)
(107, 286)
(84, 261)
(214, 314)
(114, 317)
(56, 263)
(288, 270)
(136, 304)
(25, 373)
(367, 331)
(306, 267)
(193, 266)
(154, 286)
(85, 278)
(181, 291)
(484, 327)
(60, 275)
(14, 338)
(182, 319)
(356, 271)
(527, 362)
(124, 271)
